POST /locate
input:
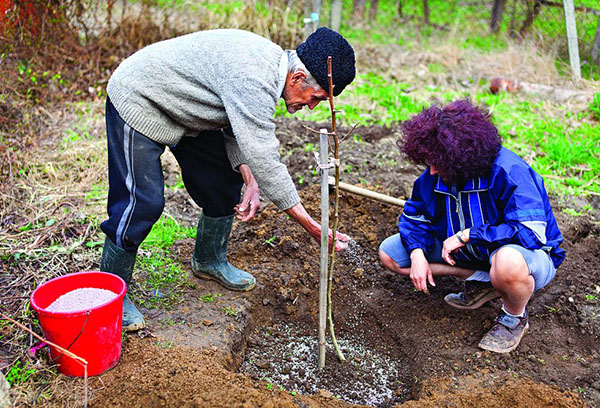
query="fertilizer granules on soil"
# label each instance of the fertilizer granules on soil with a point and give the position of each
(287, 359)
(81, 299)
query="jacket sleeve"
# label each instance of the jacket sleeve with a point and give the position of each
(415, 223)
(250, 105)
(523, 215)
(232, 149)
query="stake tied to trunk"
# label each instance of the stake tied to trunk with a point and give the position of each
(325, 228)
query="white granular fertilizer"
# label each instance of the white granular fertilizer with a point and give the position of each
(81, 299)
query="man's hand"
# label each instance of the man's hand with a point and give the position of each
(451, 245)
(298, 213)
(341, 240)
(250, 204)
(420, 271)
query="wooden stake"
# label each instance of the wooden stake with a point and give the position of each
(323, 159)
(572, 37)
(368, 193)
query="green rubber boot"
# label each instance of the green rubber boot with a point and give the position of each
(210, 255)
(120, 262)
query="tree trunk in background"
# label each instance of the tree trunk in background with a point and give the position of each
(312, 16)
(572, 42)
(359, 9)
(399, 7)
(336, 14)
(373, 10)
(497, 12)
(317, 13)
(596, 44)
(426, 11)
(531, 15)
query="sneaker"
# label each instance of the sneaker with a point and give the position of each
(506, 333)
(473, 296)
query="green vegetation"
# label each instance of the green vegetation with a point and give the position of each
(166, 231)
(163, 276)
(210, 297)
(230, 311)
(553, 140)
(271, 241)
(164, 344)
(18, 374)
(595, 106)
(163, 280)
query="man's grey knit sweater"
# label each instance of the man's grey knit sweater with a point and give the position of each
(210, 80)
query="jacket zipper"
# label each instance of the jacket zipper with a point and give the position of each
(461, 217)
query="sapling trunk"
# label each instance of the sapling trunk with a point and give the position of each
(336, 162)
(323, 282)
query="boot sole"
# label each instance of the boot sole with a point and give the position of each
(134, 327)
(476, 305)
(206, 276)
(507, 350)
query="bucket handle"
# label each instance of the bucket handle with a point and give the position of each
(87, 315)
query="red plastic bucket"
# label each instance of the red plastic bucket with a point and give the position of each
(93, 334)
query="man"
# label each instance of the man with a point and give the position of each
(210, 97)
(480, 213)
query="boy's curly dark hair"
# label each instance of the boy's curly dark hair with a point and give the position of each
(459, 140)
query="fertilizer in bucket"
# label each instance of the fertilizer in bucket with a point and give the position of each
(81, 299)
(82, 312)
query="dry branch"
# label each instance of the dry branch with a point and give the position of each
(66, 352)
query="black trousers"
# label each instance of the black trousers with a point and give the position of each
(136, 182)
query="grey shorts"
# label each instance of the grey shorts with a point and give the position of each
(539, 262)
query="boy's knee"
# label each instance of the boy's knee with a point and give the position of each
(385, 259)
(508, 265)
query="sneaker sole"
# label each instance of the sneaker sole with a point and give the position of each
(476, 305)
(508, 350)
(206, 276)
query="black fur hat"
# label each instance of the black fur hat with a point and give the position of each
(314, 52)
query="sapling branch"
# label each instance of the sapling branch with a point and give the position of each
(316, 131)
(336, 161)
(349, 133)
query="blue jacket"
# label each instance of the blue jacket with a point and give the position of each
(509, 206)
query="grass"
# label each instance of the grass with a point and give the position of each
(210, 297)
(162, 279)
(18, 374)
(165, 232)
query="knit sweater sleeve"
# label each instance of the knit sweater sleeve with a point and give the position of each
(250, 105)
(232, 149)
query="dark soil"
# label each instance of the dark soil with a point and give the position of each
(402, 346)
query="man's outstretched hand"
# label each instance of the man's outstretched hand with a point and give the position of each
(298, 213)
(341, 240)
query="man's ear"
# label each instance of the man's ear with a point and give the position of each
(298, 77)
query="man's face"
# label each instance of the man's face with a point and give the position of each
(296, 96)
